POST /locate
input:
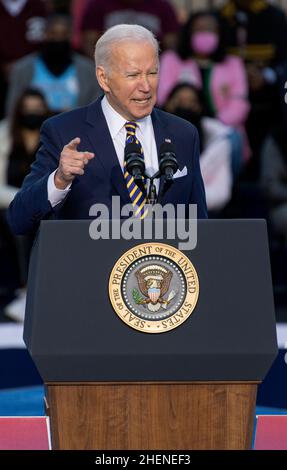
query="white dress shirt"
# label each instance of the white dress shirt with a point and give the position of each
(116, 126)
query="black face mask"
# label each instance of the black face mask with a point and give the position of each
(32, 121)
(188, 115)
(57, 55)
(193, 117)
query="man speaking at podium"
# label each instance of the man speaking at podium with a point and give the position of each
(81, 159)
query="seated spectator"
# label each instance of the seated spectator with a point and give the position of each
(22, 25)
(215, 149)
(257, 32)
(65, 78)
(274, 178)
(30, 112)
(19, 141)
(78, 8)
(202, 61)
(158, 16)
(21, 138)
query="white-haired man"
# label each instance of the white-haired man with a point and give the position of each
(81, 159)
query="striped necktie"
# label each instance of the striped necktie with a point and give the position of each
(138, 195)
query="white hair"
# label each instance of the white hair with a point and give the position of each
(122, 33)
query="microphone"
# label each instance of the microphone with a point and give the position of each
(134, 162)
(167, 160)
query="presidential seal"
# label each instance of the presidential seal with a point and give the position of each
(153, 287)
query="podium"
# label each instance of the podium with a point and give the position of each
(109, 386)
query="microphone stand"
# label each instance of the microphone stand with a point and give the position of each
(152, 195)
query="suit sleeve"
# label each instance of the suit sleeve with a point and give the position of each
(198, 191)
(31, 203)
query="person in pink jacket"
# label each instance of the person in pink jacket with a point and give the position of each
(202, 61)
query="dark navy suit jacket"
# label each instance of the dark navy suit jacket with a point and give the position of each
(103, 176)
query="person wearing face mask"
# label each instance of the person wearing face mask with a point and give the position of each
(186, 101)
(30, 112)
(202, 61)
(20, 138)
(257, 32)
(66, 79)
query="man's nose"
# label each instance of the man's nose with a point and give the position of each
(144, 84)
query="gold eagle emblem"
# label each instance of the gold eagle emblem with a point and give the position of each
(153, 282)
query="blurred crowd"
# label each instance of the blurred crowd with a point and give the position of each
(224, 70)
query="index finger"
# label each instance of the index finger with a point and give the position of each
(73, 144)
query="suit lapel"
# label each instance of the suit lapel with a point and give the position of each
(100, 138)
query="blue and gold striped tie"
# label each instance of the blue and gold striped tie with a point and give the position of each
(138, 195)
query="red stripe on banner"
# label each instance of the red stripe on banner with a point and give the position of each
(271, 433)
(24, 434)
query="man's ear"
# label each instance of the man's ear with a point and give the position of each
(102, 78)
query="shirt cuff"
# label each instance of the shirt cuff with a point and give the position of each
(55, 195)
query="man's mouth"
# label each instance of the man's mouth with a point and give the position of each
(142, 101)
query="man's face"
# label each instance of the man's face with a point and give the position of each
(131, 81)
